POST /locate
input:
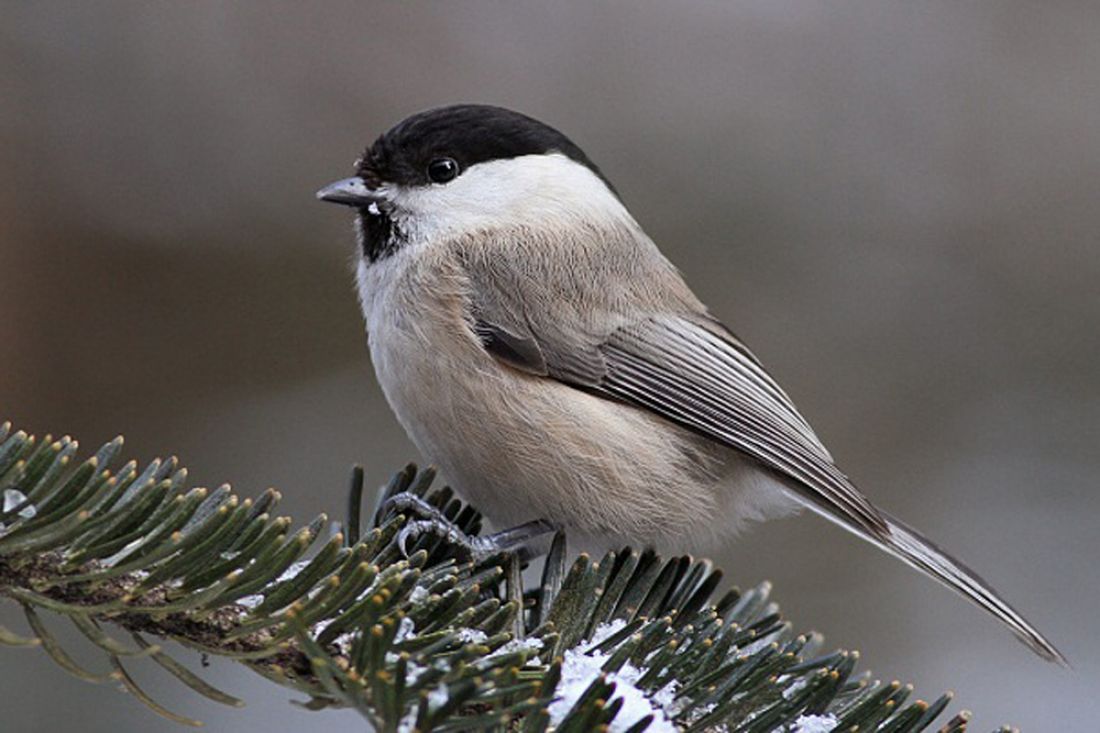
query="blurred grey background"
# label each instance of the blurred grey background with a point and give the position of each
(896, 204)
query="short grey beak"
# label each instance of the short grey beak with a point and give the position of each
(349, 192)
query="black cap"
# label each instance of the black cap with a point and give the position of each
(467, 133)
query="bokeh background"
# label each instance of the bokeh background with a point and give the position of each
(896, 204)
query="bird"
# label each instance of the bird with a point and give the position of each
(540, 350)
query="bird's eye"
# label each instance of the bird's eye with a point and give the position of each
(442, 170)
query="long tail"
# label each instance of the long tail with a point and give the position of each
(909, 546)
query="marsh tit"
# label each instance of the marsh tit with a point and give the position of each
(536, 345)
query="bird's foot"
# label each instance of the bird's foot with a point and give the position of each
(527, 541)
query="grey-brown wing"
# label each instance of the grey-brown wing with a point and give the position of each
(696, 378)
(691, 373)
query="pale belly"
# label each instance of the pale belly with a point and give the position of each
(521, 447)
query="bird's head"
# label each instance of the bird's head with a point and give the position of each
(454, 171)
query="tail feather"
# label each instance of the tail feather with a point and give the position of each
(909, 546)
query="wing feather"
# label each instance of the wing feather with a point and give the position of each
(691, 376)
(689, 369)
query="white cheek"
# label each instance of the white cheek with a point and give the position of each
(527, 191)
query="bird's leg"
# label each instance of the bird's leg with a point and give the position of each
(516, 540)
(520, 543)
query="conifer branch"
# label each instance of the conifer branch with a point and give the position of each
(431, 641)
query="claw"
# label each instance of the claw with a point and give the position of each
(515, 540)
(411, 503)
(414, 530)
(403, 539)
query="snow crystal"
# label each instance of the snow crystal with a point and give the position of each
(701, 712)
(344, 641)
(471, 636)
(813, 724)
(579, 670)
(293, 570)
(437, 697)
(414, 671)
(250, 601)
(15, 497)
(405, 630)
(418, 595)
(530, 644)
(795, 687)
(604, 632)
(665, 698)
